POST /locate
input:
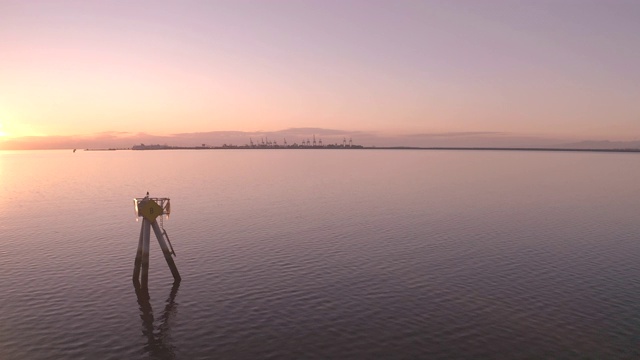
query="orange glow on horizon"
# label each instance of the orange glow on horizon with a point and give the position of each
(12, 130)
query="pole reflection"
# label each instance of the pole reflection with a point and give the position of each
(158, 344)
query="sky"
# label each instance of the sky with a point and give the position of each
(419, 73)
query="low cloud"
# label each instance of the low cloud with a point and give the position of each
(457, 134)
(108, 139)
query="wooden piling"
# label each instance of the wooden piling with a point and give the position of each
(138, 261)
(144, 281)
(149, 209)
(166, 252)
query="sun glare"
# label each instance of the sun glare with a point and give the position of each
(11, 130)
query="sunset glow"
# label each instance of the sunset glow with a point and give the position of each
(395, 69)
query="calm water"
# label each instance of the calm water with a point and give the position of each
(323, 254)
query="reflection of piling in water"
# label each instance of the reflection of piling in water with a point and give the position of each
(149, 209)
(158, 344)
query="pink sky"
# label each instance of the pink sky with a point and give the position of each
(561, 70)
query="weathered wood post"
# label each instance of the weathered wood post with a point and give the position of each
(144, 277)
(138, 262)
(150, 209)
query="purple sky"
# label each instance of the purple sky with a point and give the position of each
(546, 71)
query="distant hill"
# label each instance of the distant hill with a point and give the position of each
(603, 144)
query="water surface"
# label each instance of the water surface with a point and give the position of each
(323, 254)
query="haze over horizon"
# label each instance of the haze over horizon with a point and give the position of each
(409, 73)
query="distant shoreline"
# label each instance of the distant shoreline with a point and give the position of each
(502, 149)
(370, 148)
